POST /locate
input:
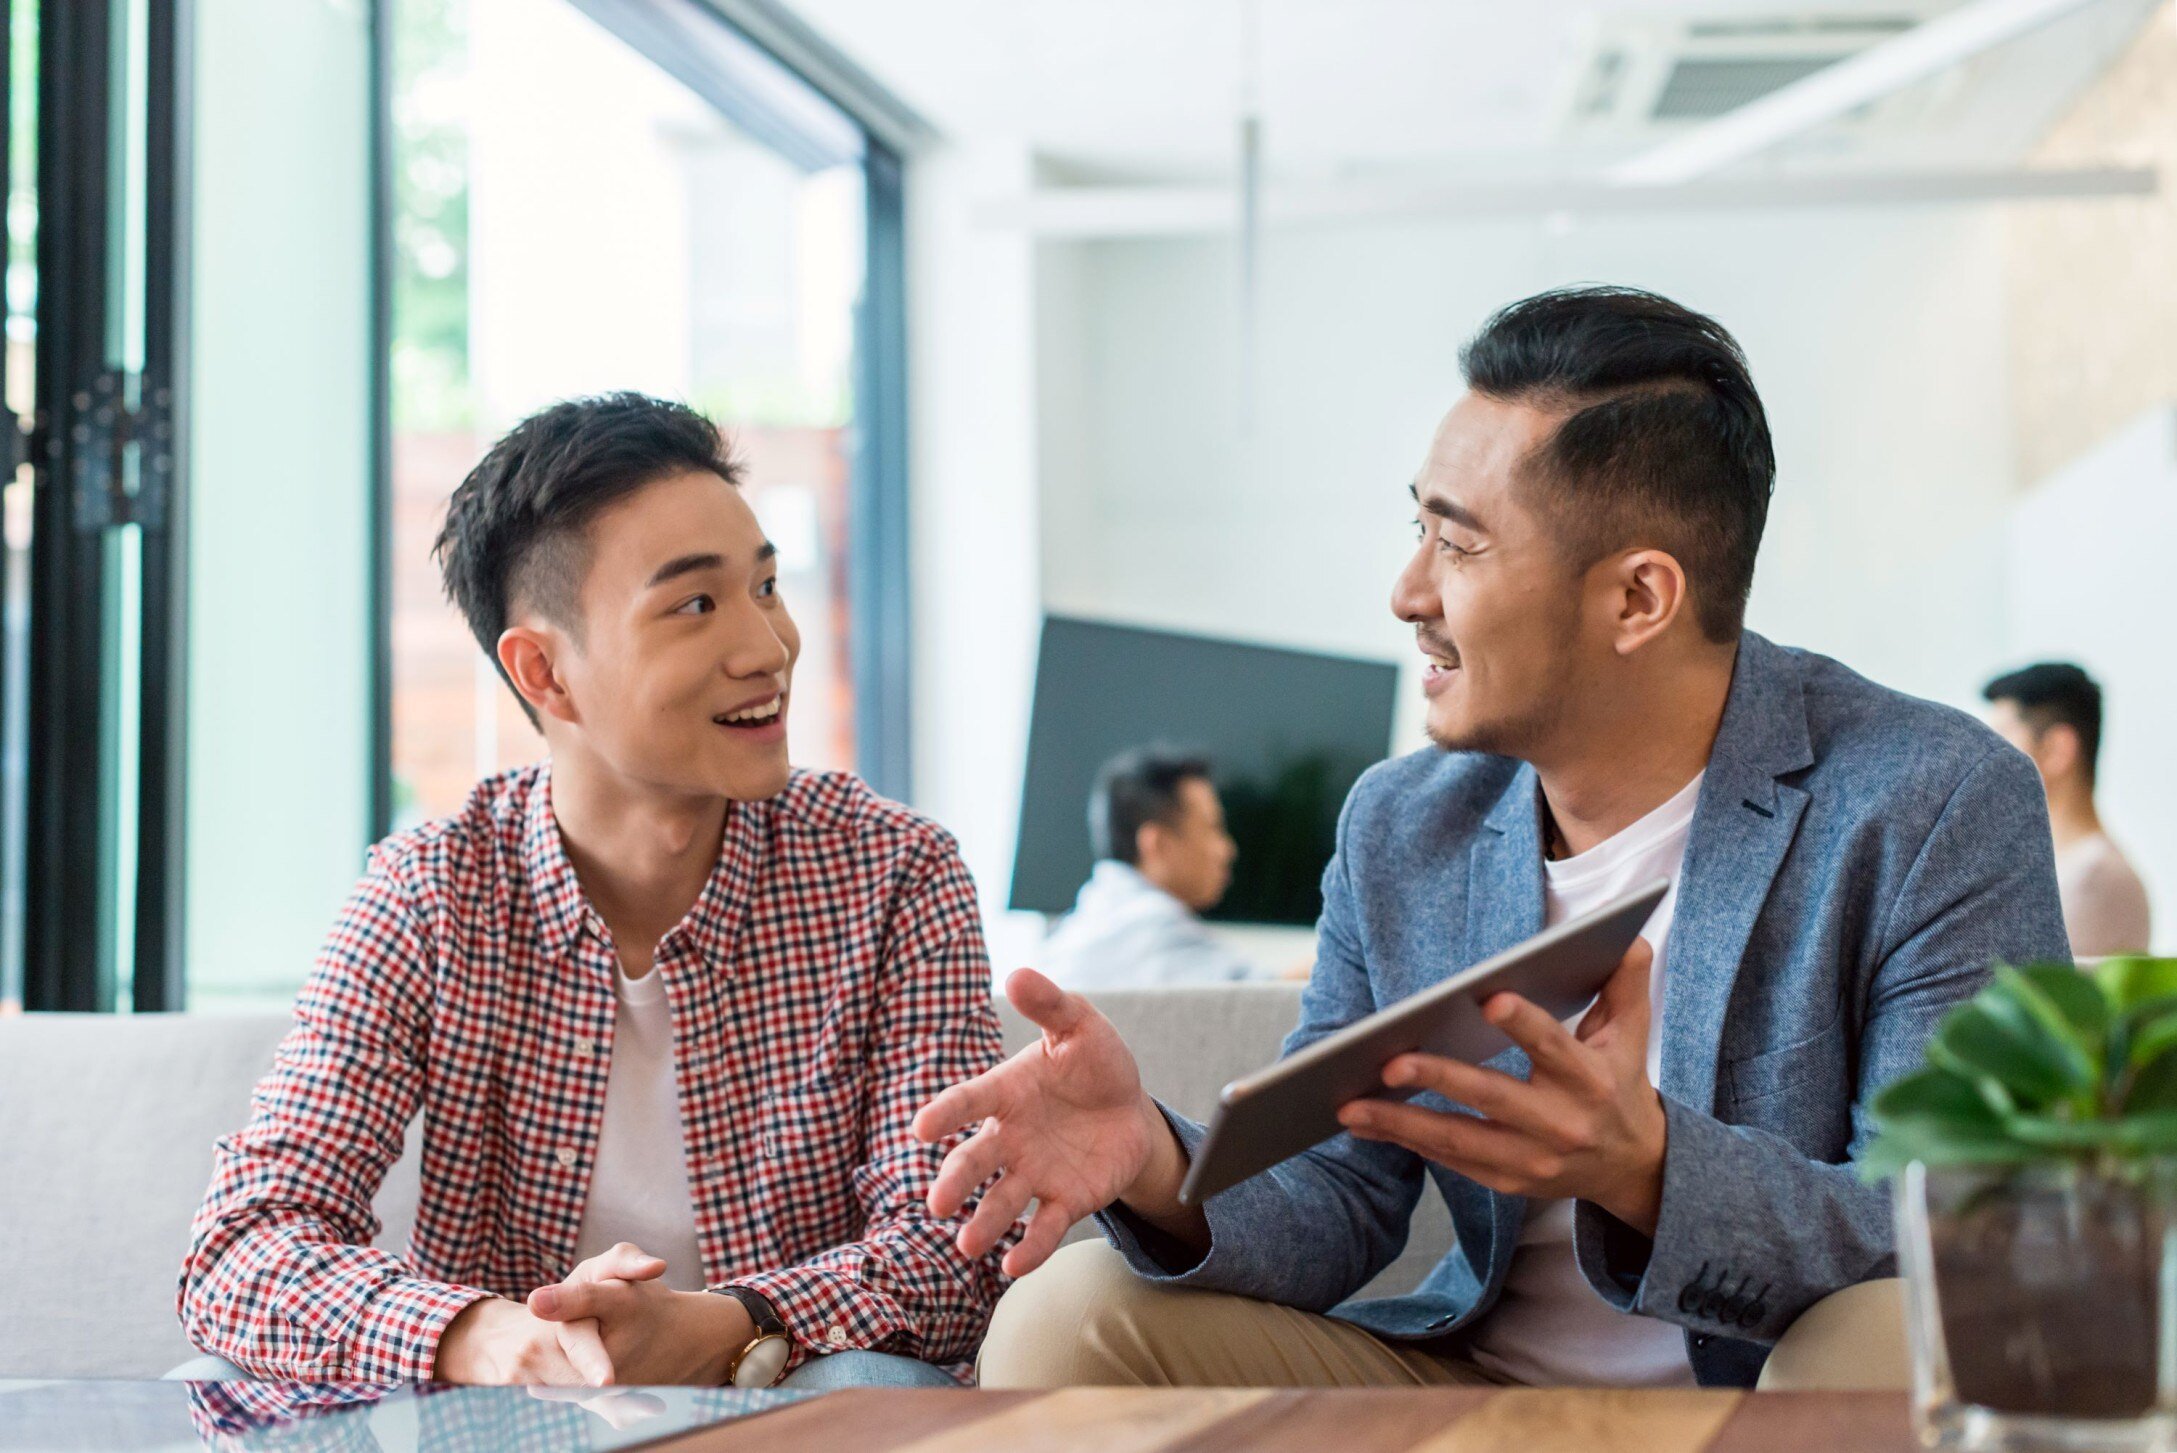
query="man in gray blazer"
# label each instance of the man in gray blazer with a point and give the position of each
(1652, 1194)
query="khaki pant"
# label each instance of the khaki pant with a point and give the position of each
(1085, 1319)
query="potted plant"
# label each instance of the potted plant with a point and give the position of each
(2035, 1157)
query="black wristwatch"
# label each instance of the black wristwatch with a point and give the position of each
(761, 1362)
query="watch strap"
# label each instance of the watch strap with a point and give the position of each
(760, 1310)
(764, 1358)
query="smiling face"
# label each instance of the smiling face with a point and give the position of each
(676, 673)
(1496, 608)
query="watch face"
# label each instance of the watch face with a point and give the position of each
(762, 1363)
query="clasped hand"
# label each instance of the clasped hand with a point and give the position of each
(1586, 1124)
(612, 1321)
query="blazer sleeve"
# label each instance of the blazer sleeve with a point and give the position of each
(1752, 1231)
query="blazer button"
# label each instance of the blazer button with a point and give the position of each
(567, 1156)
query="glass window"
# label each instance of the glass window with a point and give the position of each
(572, 219)
(18, 182)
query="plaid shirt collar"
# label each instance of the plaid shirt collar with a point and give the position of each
(564, 911)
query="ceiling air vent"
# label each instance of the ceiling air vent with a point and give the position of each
(1639, 74)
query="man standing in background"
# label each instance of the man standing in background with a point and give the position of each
(2052, 713)
(1163, 858)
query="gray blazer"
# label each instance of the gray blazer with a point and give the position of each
(1856, 861)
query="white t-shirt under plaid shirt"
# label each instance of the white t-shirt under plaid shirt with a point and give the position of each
(830, 980)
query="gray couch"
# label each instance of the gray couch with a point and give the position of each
(107, 1123)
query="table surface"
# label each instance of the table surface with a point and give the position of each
(1436, 1420)
(349, 1418)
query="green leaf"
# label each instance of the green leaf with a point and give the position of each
(2151, 1037)
(2038, 1016)
(2003, 1044)
(2131, 981)
(2079, 1000)
(1936, 1101)
(2154, 1134)
(2154, 1088)
(2066, 1135)
(1892, 1151)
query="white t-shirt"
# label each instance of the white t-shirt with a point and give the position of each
(1549, 1327)
(639, 1186)
(2105, 904)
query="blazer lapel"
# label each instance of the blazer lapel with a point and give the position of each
(1504, 872)
(1742, 827)
(1504, 907)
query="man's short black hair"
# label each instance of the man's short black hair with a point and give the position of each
(514, 529)
(2052, 693)
(1664, 442)
(1134, 789)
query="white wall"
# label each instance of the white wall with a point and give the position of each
(974, 567)
(1876, 340)
(278, 662)
(2088, 556)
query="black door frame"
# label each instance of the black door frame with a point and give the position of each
(105, 447)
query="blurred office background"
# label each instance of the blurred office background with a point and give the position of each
(1136, 312)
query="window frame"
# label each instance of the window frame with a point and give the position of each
(813, 126)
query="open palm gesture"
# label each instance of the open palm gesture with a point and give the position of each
(1064, 1123)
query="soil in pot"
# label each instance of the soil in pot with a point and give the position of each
(2049, 1296)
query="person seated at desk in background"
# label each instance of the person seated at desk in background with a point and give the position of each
(1163, 858)
(665, 1005)
(2053, 712)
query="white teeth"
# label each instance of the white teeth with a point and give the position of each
(764, 712)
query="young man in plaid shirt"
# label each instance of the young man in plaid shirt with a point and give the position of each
(665, 1006)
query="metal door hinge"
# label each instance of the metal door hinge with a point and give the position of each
(121, 438)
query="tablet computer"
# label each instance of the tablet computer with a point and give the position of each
(1277, 1112)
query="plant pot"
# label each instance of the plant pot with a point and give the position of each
(2042, 1303)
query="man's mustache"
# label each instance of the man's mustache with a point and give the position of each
(1433, 647)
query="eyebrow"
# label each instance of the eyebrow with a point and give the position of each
(1445, 509)
(681, 565)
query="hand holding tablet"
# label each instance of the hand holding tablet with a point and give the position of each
(1294, 1104)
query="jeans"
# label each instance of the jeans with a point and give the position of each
(818, 1374)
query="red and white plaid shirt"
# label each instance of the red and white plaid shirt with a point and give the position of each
(831, 978)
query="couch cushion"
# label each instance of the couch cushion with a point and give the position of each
(104, 1157)
(107, 1147)
(1193, 1042)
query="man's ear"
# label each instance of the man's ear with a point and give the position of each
(1647, 592)
(2057, 751)
(527, 654)
(1149, 842)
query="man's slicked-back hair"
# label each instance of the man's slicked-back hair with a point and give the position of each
(2055, 693)
(1135, 789)
(514, 530)
(1663, 442)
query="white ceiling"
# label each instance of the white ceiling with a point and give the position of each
(1150, 89)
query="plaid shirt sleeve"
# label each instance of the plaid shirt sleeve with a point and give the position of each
(281, 1278)
(904, 1286)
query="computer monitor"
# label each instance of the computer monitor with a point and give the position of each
(1287, 732)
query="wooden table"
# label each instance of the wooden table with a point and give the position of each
(1438, 1420)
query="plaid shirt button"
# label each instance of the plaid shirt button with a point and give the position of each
(567, 1156)
(585, 1046)
(837, 1336)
